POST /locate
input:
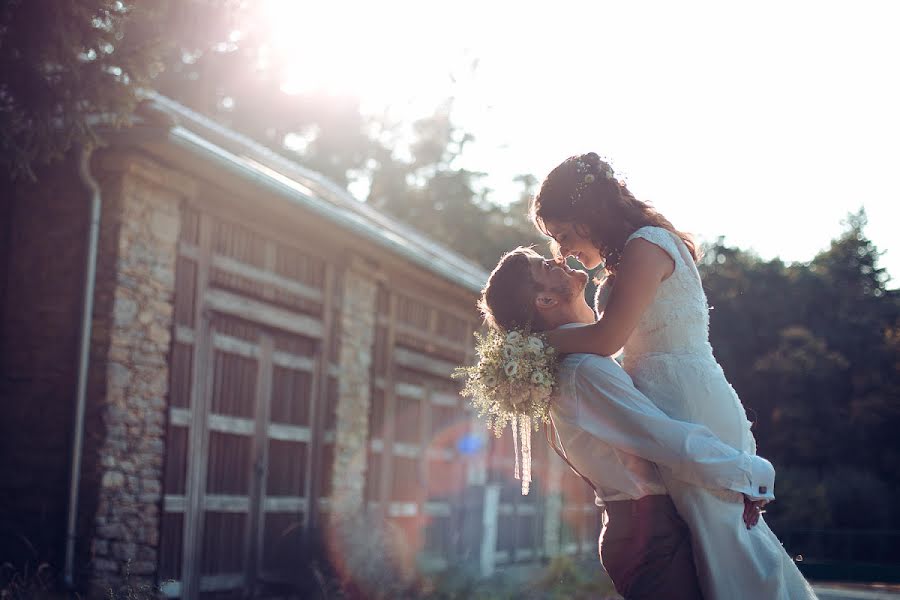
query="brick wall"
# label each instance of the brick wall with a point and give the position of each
(43, 272)
(46, 228)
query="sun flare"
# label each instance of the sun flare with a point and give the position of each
(373, 51)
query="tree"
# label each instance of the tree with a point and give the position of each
(232, 76)
(409, 168)
(430, 193)
(62, 63)
(809, 412)
(814, 353)
(90, 57)
(856, 314)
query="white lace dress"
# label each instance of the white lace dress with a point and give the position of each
(671, 361)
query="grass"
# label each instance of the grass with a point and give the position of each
(373, 578)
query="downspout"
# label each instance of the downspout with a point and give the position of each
(84, 173)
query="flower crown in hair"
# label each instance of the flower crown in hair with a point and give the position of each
(589, 174)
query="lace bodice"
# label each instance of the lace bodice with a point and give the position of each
(668, 354)
(678, 319)
(670, 360)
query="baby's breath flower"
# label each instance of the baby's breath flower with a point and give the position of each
(512, 385)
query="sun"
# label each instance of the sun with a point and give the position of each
(382, 53)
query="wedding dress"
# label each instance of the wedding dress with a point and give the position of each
(671, 361)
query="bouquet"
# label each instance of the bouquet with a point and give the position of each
(512, 384)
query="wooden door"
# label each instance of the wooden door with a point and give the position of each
(250, 408)
(231, 464)
(257, 454)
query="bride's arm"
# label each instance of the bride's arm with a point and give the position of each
(643, 267)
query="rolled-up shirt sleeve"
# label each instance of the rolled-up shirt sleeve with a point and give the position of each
(609, 407)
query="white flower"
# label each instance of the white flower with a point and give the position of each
(513, 379)
(535, 344)
(511, 368)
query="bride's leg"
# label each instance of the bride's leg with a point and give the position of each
(735, 563)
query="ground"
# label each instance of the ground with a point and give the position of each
(838, 591)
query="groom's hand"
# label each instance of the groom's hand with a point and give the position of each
(752, 511)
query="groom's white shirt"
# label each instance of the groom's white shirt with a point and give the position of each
(617, 438)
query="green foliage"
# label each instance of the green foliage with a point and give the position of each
(428, 192)
(230, 74)
(808, 413)
(813, 351)
(26, 584)
(803, 500)
(565, 579)
(64, 62)
(133, 589)
(409, 169)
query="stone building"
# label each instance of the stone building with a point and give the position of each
(267, 356)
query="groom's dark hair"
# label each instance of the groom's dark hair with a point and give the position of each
(507, 300)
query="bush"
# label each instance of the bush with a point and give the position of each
(26, 584)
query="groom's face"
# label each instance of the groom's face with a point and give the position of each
(555, 276)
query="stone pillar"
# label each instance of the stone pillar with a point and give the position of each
(132, 339)
(357, 336)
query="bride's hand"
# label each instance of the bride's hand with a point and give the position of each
(752, 511)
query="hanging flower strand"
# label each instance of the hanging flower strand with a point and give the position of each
(511, 385)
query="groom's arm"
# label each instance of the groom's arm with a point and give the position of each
(609, 407)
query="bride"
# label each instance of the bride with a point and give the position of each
(653, 305)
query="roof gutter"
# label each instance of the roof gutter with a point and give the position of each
(472, 279)
(208, 138)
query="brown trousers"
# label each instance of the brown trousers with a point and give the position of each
(646, 549)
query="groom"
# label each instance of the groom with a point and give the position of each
(618, 440)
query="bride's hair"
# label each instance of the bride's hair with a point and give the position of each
(584, 191)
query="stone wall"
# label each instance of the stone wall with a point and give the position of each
(132, 373)
(356, 339)
(120, 503)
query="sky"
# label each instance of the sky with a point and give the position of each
(764, 122)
